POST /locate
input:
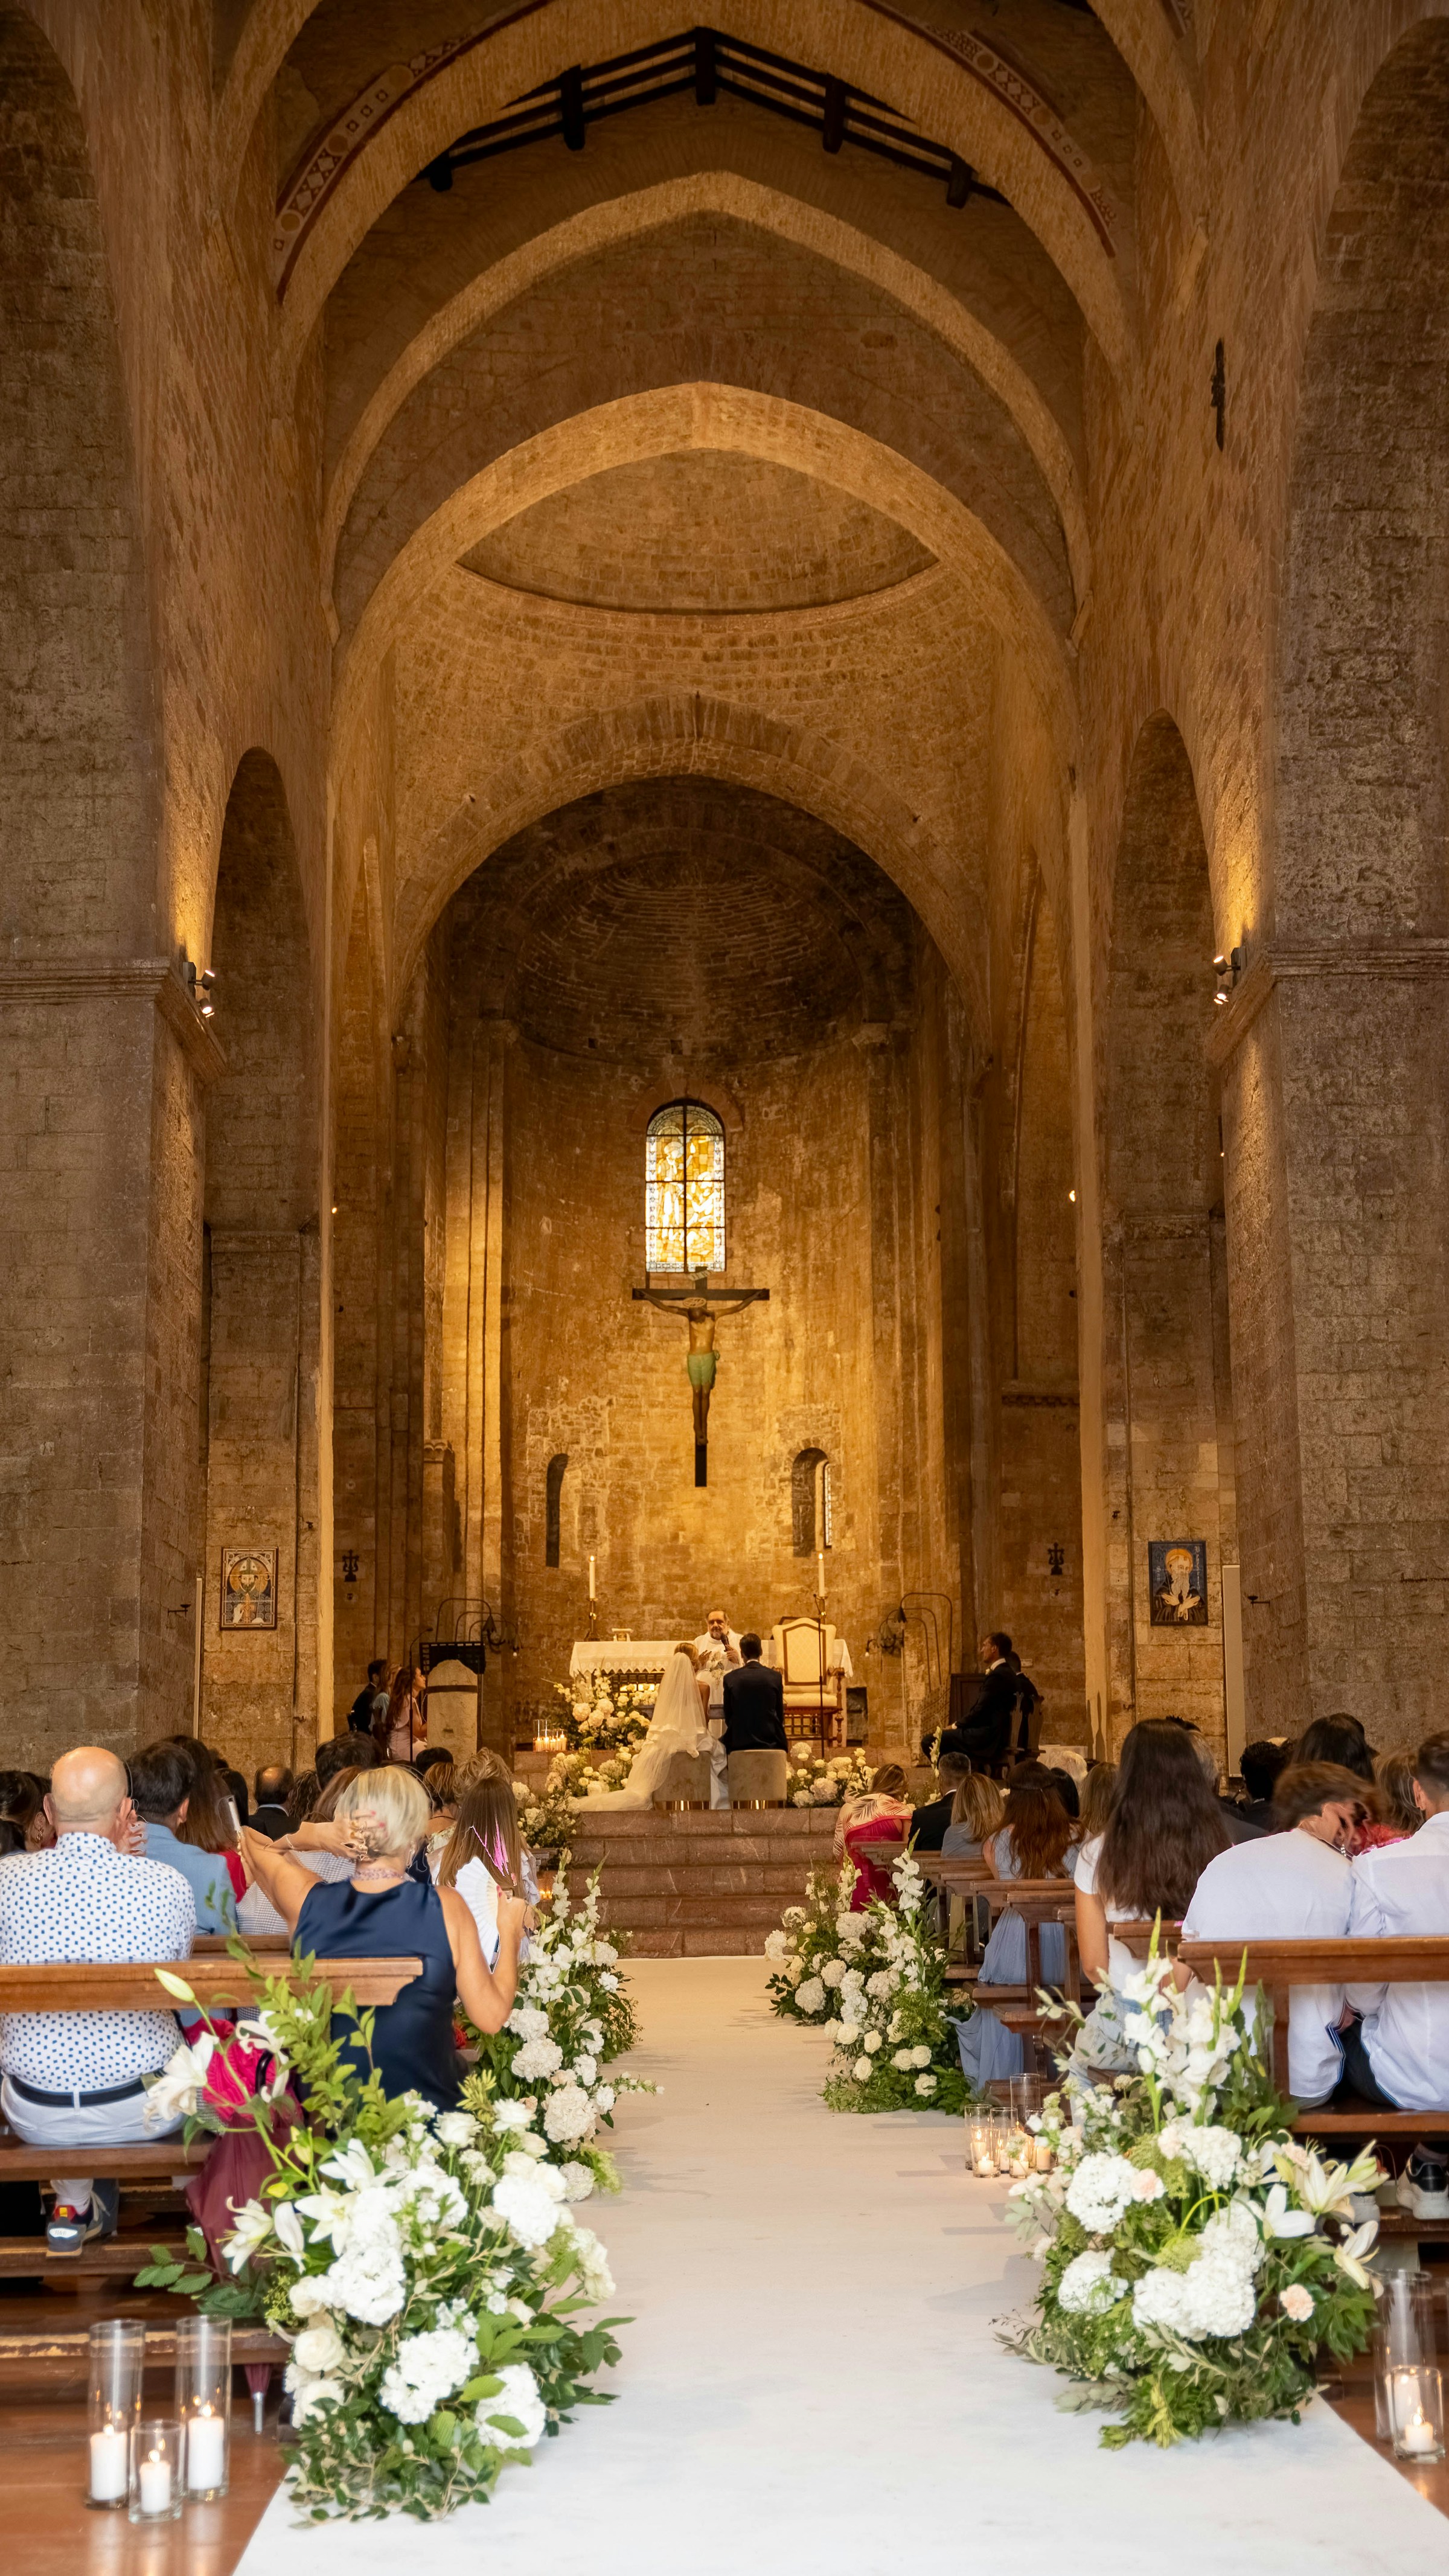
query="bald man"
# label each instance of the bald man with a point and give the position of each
(75, 2079)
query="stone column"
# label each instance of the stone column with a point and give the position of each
(103, 1066)
(1333, 1089)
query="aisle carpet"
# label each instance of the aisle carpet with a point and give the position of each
(811, 2383)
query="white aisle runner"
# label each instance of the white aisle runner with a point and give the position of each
(811, 2386)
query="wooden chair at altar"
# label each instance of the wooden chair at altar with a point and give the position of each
(796, 1650)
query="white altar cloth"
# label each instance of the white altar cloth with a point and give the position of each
(613, 1655)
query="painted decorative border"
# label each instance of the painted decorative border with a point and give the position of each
(349, 133)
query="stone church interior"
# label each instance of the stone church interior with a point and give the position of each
(722, 884)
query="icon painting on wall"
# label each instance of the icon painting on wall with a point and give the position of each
(1177, 1581)
(248, 1587)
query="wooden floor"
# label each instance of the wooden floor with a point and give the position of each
(46, 2528)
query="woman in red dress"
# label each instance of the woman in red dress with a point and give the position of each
(882, 1815)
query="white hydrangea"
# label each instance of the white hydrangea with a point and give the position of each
(884, 1982)
(810, 1995)
(849, 2033)
(426, 2369)
(1087, 2287)
(578, 2180)
(527, 2022)
(528, 2203)
(904, 2059)
(850, 1930)
(833, 1972)
(872, 2042)
(823, 1794)
(1159, 2300)
(777, 1948)
(518, 2400)
(537, 2057)
(920, 2054)
(367, 2282)
(1214, 2153)
(604, 2098)
(862, 2070)
(925, 2083)
(568, 2115)
(1100, 2190)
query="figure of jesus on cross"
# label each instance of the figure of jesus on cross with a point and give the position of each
(700, 1307)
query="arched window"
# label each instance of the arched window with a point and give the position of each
(684, 1211)
(552, 1493)
(810, 1502)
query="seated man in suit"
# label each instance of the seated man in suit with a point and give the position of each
(754, 1728)
(928, 1827)
(985, 1739)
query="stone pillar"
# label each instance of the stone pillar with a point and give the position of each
(103, 1066)
(1334, 1092)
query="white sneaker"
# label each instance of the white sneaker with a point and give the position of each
(1423, 2186)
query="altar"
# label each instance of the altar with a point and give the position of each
(797, 1649)
(639, 1659)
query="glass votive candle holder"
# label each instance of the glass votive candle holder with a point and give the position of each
(157, 2488)
(117, 2360)
(1416, 2412)
(1405, 2332)
(1020, 2152)
(981, 2127)
(203, 2403)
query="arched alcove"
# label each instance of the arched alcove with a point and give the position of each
(1170, 1470)
(261, 1284)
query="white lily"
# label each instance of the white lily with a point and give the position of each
(253, 2227)
(351, 2165)
(176, 2093)
(1349, 2255)
(1279, 2220)
(289, 2229)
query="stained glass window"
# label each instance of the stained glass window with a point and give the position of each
(684, 1189)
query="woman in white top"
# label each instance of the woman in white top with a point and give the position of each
(1165, 1826)
(484, 1855)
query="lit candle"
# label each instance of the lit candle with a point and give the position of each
(205, 2452)
(109, 2465)
(1043, 2155)
(1418, 2435)
(820, 1576)
(591, 1578)
(155, 2484)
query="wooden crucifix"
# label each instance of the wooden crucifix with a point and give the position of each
(700, 1307)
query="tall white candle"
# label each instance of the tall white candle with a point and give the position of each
(205, 2452)
(591, 1578)
(109, 2464)
(155, 2484)
(820, 1575)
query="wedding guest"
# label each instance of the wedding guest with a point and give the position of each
(1398, 2053)
(985, 1738)
(1294, 1884)
(1097, 1793)
(380, 1912)
(319, 1842)
(1067, 1790)
(930, 1823)
(401, 1731)
(483, 1856)
(1339, 1739)
(163, 1784)
(365, 1708)
(76, 2078)
(1401, 1815)
(22, 1799)
(210, 1823)
(881, 1814)
(976, 1811)
(1259, 1766)
(1030, 1843)
(1165, 1826)
(274, 1786)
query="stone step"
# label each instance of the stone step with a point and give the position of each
(696, 1913)
(622, 1886)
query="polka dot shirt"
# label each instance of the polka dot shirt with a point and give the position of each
(85, 1900)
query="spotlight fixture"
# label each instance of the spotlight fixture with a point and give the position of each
(200, 981)
(1072, 1195)
(1227, 970)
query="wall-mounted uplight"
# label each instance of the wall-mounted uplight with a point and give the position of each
(200, 981)
(1072, 1195)
(1227, 970)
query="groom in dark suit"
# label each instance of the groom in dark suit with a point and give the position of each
(754, 1704)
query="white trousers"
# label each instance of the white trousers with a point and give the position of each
(65, 2124)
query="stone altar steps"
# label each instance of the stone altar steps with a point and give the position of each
(702, 1885)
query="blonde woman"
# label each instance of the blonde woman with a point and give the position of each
(976, 1813)
(380, 1912)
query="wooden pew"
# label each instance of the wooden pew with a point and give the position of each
(216, 1980)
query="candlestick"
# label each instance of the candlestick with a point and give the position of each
(110, 2450)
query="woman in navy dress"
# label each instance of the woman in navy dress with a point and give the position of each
(381, 1912)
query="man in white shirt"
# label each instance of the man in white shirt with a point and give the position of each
(1294, 1885)
(1399, 2053)
(75, 2078)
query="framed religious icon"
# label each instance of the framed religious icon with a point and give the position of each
(1177, 1582)
(248, 1587)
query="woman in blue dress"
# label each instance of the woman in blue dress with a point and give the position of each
(1031, 1843)
(382, 1912)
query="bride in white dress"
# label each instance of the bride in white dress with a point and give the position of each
(676, 1725)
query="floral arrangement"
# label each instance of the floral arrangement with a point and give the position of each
(1196, 2257)
(876, 1981)
(423, 2266)
(574, 1775)
(546, 1815)
(817, 1781)
(541, 2078)
(603, 1711)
